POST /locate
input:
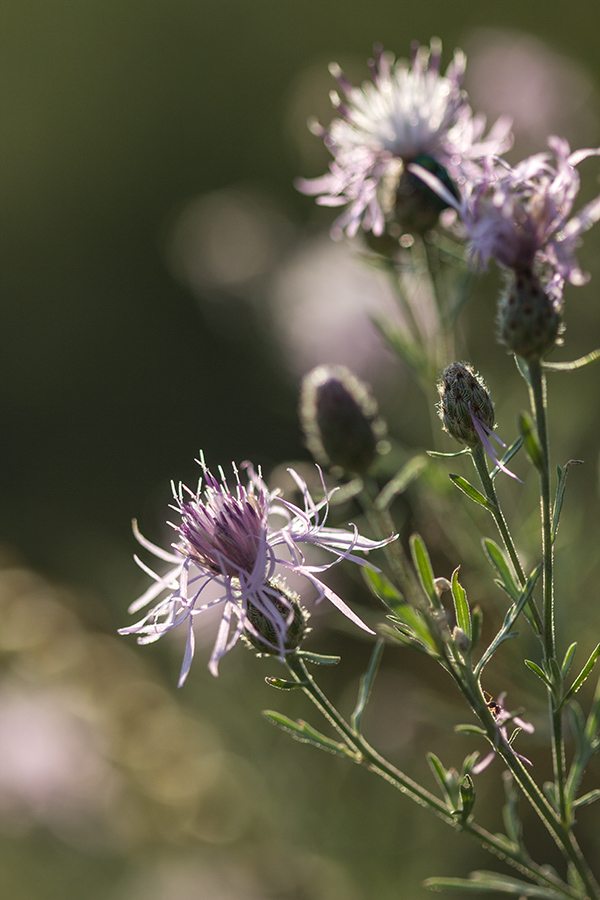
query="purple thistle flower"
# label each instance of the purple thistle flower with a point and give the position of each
(502, 718)
(519, 215)
(407, 112)
(484, 433)
(226, 540)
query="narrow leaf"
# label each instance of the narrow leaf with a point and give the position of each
(423, 566)
(498, 560)
(583, 675)
(574, 364)
(505, 633)
(318, 659)
(531, 441)
(383, 588)
(590, 797)
(284, 685)
(436, 454)
(461, 605)
(401, 481)
(561, 484)
(539, 672)
(365, 685)
(493, 882)
(463, 485)
(568, 659)
(306, 734)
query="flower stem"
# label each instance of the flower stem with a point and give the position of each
(538, 398)
(478, 455)
(366, 755)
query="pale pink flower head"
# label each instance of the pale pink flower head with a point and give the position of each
(521, 216)
(237, 542)
(408, 112)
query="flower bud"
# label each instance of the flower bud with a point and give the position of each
(267, 625)
(464, 395)
(339, 418)
(529, 321)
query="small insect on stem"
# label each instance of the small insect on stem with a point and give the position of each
(491, 704)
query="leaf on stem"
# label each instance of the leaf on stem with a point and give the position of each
(506, 633)
(531, 441)
(493, 882)
(561, 483)
(461, 605)
(284, 685)
(496, 556)
(306, 734)
(463, 485)
(318, 659)
(573, 364)
(365, 685)
(582, 677)
(399, 483)
(424, 570)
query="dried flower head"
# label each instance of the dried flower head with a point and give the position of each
(408, 112)
(226, 539)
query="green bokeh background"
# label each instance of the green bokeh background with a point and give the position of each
(114, 373)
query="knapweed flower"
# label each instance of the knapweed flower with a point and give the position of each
(407, 113)
(226, 540)
(519, 215)
(502, 718)
(467, 411)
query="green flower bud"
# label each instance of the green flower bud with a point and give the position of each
(340, 420)
(463, 395)
(529, 321)
(264, 635)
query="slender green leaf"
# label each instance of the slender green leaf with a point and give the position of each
(470, 729)
(568, 659)
(531, 441)
(436, 454)
(463, 485)
(306, 734)
(461, 605)
(583, 675)
(539, 672)
(423, 566)
(399, 483)
(382, 587)
(498, 560)
(318, 659)
(590, 797)
(505, 633)
(365, 685)
(523, 369)
(493, 882)
(574, 364)
(284, 685)
(561, 484)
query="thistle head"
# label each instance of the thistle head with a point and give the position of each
(464, 400)
(280, 629)
(529, 319)
(340, 419)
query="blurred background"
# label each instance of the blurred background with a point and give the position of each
(164, 288)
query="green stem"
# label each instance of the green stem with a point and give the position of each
(368, 757)
(538, 397)
(478, 455)
(382, 524)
